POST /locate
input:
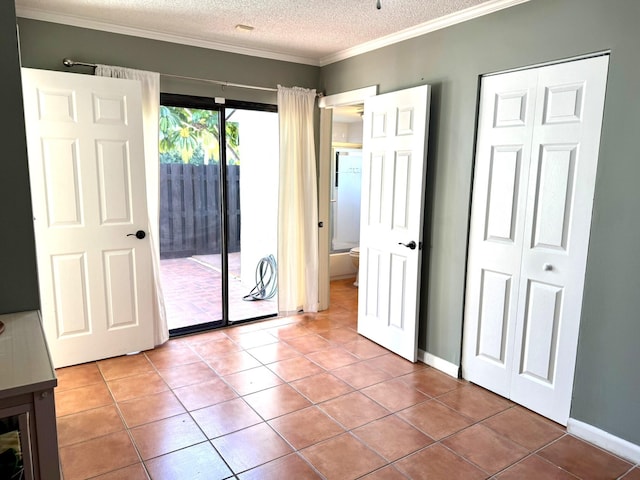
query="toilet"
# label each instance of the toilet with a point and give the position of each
(354, 253)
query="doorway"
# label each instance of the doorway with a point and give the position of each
(346, 178)
(392, 196)
(329, 105)
(218, 211)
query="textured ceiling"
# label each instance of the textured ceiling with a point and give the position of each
(308, 31)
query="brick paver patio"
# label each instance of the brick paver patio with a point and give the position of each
(192, 290)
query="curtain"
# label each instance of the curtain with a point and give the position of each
(297, 203)
(150, 82)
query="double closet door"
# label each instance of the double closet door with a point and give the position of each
(536, 161)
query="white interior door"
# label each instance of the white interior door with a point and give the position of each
(393, 181)
(86, 164)
(497, 227)
(536, 163)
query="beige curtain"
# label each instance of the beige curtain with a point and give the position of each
(298, 203)
(150, 82)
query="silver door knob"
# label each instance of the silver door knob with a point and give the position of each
(547, 267)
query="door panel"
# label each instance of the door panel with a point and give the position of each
(119, 266)
(563, 103)
(373, 182)
(512, 106)
(70, 288)
(84, 137)
(494, 316)
(496, 234)
(114, 180)
(401, 190)
(369, 289)
(61, 175)
(504, 172)
(544, 200)
(566, 135)
(397, 284)
(394, 162)
(540, 332)
(553, 196)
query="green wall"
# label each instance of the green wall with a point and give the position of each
(44, 45)
(18, 279)
(607, 383)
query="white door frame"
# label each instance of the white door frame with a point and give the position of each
(326, 104)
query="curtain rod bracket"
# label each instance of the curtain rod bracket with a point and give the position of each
(67, 62)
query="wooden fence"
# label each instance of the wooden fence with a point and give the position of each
(190, 210)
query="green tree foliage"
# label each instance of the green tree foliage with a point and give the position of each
(191, 136)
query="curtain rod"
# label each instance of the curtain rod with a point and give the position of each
(70, 63)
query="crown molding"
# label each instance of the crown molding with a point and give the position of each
(85, 22)
(423, 28)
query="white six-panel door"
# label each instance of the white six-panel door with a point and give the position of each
(536, 159)
(497, 230)
(84, 137)
(393, 178)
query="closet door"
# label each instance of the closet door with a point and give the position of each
(497, 226)
(531, 218)
(564, 159)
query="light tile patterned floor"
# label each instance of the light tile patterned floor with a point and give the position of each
(302, 397)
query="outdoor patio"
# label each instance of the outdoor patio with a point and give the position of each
(192, 288)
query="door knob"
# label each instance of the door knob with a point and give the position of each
(547, 267)
(411, 244)
(140, 234)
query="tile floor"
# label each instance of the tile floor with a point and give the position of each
(299, 398)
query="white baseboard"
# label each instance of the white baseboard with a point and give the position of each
(438, 363)
(611, 443)
(343, 277)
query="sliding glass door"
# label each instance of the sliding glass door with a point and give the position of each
(253, 213)
(216, 224)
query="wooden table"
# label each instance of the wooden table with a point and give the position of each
(27, 380)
